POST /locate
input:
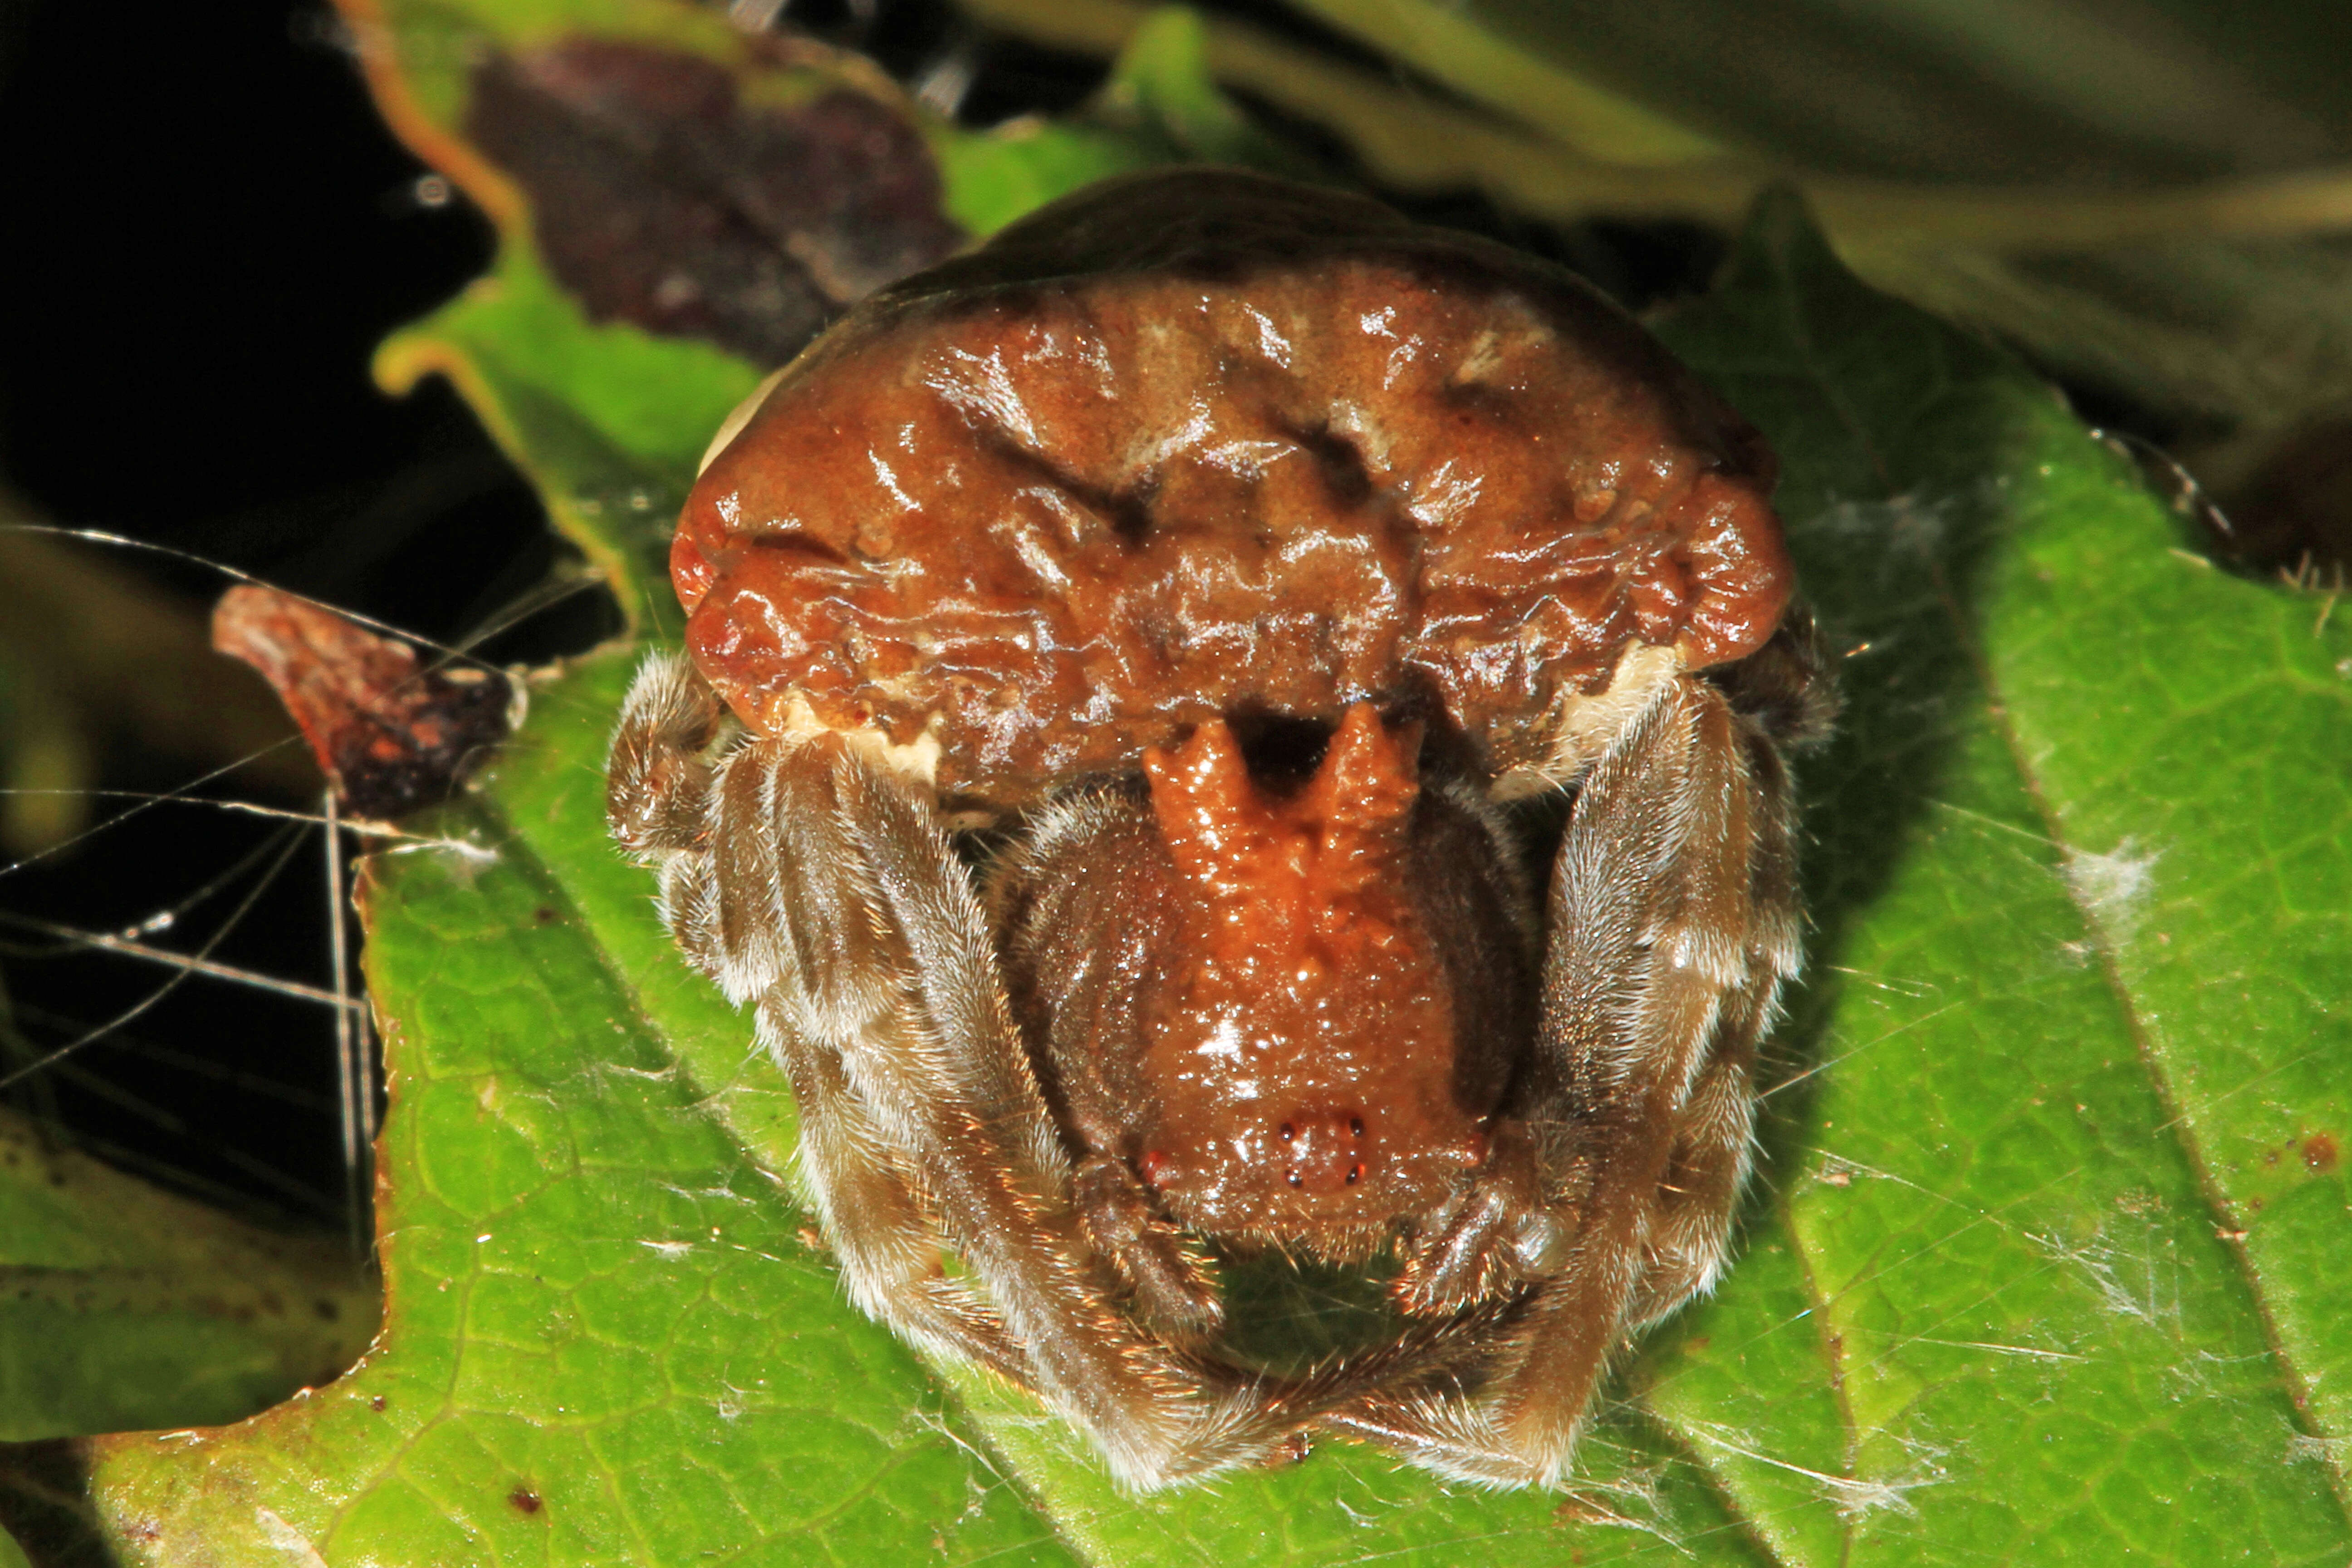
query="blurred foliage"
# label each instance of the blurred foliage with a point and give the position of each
(121, 1306)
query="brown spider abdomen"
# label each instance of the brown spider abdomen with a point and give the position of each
(1304, 1056)
(1218, 445)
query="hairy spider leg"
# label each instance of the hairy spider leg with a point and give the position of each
(857, 1180)
(1672, 924)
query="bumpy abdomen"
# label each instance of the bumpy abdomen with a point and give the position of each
(1125, 472)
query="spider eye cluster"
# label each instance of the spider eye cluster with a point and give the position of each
(1323, 1151)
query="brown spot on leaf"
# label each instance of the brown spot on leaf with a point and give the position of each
(660, 197)
(525, 1501)
(2319, 1153)
(391, 734)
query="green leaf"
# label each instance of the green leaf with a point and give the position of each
(2079, 848)
(1160, 105)
(608, 421)
(1984, 1310)
(122, 1305)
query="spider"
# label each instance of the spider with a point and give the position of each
(1139, 673)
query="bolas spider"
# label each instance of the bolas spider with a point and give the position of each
(1162, 648)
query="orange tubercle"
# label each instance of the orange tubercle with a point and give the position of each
(1301, 981)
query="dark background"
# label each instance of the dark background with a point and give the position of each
(207, 229)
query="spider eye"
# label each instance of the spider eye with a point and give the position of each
(1355, 1173)
(1356, 1128)
(1289, 1135)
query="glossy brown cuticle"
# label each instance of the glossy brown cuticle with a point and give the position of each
(1054, 519)
(1299, 1049)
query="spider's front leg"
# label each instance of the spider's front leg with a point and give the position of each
(670, 804)
(811, 883)
(1672, 923)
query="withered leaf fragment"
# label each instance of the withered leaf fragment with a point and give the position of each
(660, 197)
(391, 734)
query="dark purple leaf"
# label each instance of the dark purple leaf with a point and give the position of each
(659, 198)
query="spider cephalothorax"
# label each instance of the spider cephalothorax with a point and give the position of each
(1262, 573)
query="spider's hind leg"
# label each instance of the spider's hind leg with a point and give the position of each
(927, 1132)
(706, 823)
(884, 1235)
